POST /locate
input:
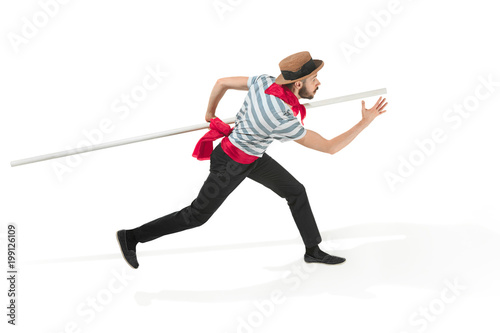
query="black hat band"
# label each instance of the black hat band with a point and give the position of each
(306, 69)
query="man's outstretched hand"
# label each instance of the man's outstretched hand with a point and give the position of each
(370, 114)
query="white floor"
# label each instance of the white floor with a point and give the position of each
(422, 250)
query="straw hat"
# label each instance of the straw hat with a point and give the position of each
(297, 67)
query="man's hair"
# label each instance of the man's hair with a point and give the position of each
(290, 85)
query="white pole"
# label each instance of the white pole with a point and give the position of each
(180, 130)
(346, 98)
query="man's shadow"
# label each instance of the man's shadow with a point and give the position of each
(378, 254)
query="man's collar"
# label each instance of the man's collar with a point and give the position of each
(288, 97)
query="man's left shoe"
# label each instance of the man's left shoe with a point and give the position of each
(129, 255)
(328, 259)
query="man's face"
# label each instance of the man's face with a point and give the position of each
(309, 87)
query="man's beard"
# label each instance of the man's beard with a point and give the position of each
(303, 93)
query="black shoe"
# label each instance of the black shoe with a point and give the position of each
(129, 255)
(328, 259)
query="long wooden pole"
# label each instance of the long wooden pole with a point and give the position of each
(180, 130)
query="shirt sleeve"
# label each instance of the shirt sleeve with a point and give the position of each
(290, 129)
(251, 80)
(258, 79)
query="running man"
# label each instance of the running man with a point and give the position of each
(270, 111)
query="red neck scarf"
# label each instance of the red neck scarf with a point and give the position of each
(289, 98)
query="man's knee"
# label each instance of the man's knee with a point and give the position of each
(295, 191)
(192, 217)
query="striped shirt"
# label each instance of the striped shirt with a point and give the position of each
(263, 118)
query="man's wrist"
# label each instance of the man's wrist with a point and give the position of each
(209, 116)
(364, 123)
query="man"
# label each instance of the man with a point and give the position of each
(269, 113)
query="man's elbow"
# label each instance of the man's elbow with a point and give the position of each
(221, 83)
(331, 149)
(327, 149)
(235, 82)
(323, 148)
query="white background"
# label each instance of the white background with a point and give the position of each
(405, 246)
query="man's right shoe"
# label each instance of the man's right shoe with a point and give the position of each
(129, 255)
(328, 259)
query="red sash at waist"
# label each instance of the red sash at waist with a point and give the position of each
(219, 129)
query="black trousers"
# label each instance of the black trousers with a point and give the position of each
(225, 175)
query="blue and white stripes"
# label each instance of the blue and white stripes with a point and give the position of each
(263, 118)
